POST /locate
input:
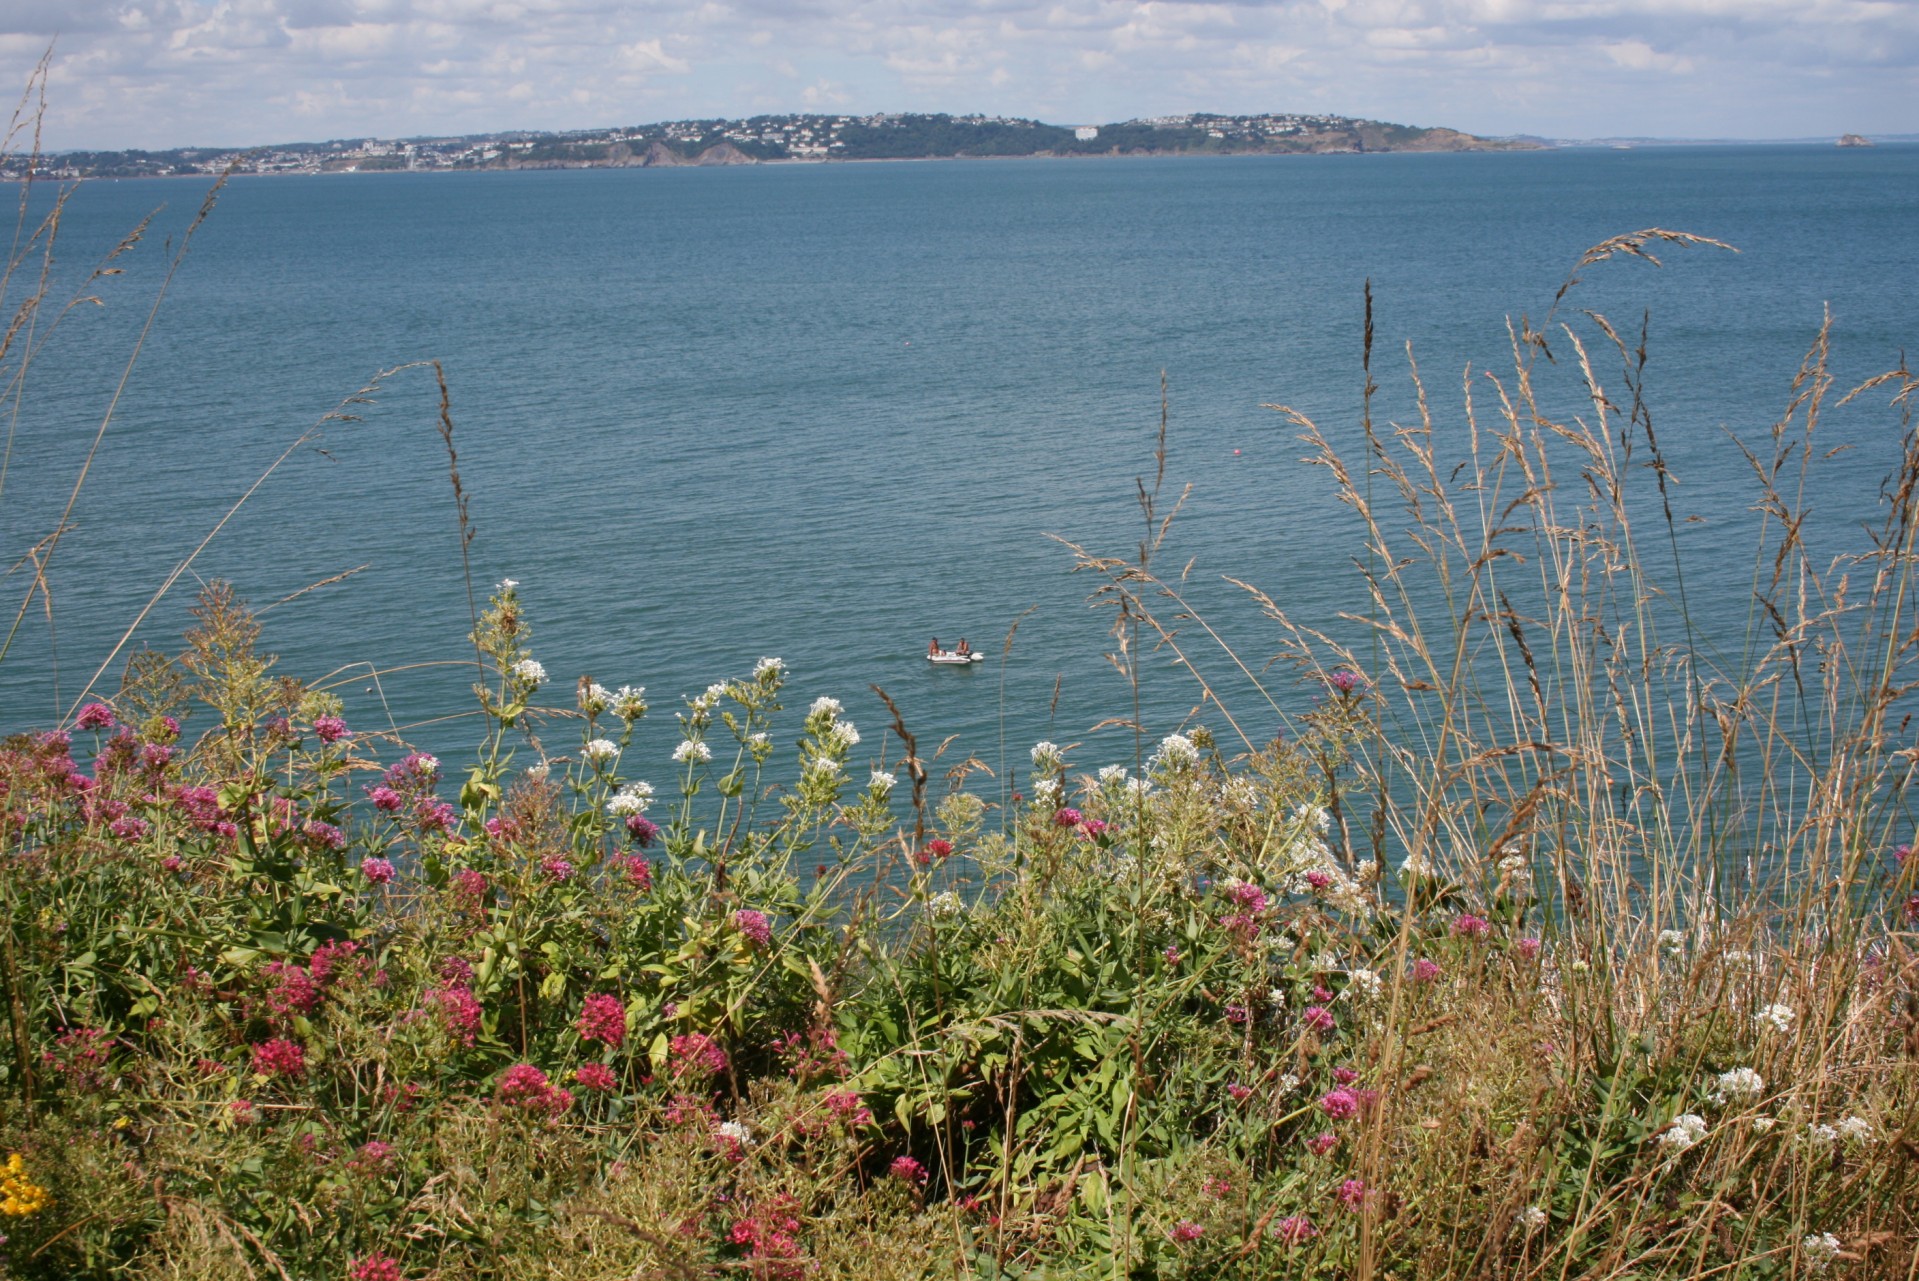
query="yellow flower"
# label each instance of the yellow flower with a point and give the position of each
(19, 1195)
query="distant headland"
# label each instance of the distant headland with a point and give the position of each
(786, 138)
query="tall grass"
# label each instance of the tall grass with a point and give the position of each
(1561, 936)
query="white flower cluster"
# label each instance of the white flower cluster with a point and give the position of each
(1823, 1137)
(507, 585)
(1740, 1085)
(881, 781)
(735, 1131)
(758, 741)
(529, 672)
(1286, 1086)
(594, 698)
(1239, 793)
(825, 706)
(944, 904)
(599, 749)
(1416, 867)
(826, 767)
(769, 667)
(1764, 1124)
(1112, 775)
(690, 750)
(1176, 751)
(631, 799)
(1821, 1249)
(1672, 942)
(1529, 1220)
(1778, 1017)
(1855, 1129)
(1687, 1129)
(1364, 984)
(629, 704)
(841, 734)
(1046, 755)
(1046, 791)
(1517, 870)
(1139, 787)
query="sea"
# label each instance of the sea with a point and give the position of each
(828, 412)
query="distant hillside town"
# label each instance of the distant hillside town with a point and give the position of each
(763, 139)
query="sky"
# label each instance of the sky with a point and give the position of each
(167, 73)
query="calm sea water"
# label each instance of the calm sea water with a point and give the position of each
(828, 412)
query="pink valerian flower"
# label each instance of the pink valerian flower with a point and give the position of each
(1322, 993)
(129, 828)
(1238, 1014)
(1215, 1186)
(1067, 816)
(436, 816)
(526, 1088)
(459, 1010)
(469, 889)
(95, 716)
(323, 835)
(1528, 948)
(637, 870)
(155, 757)
(770, 1237)
(1170, 956)
(502, 829)
(330, 729)
(200, 806)
(1238, 1093)
(1352, 1194)
(1901, 854)
(597, 1077)
(374, 1157)
(385, 799)
(642, 829)
(1466, 925)
(938, 847)
(280, 1057)
(242, 1112)
(1186, 1230)
(1294, 1229)
(1094, 828)
(293, 993)
(1344, 1076)
(1425, 971)
(908, 1170)
(80, 1055)
(753, 926)
(377, 871)
(173, 862)
(1318, 879)
(1318, 1018)
(1344, 680)
(557, 869)
(697, 1054)
(603, 1018)
(1340, 1104)
(1321, 1144)
(377, 1266)
(846, 1108)
(690, 1109)
(455, 969)
(812, 1054)
(414, 772)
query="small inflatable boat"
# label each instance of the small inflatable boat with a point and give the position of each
(947, 657)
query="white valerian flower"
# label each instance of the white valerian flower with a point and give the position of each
(528, 671)
(735, 1131)
(1740, 1085)
(1415, 867)
(1325, 960)
(1763, 1124)
(827, 765)
(1317, 817)
(629, 704)
(631, 799)
(881, 781)
(945, 903)
(1530, 1219)
(1855, 1129)
(1045, 754)
(1239, 793)
(1276, 997)
(1687, 1129)
(538, 771)
(1139, 786)
(1111, 774)
(691, 750)
(1366, 870)
(825, 706)
(842, 733)
(508, 584)
(1286, 1086)
(1777, 1017)
(1821, 1249)
(594, 698)
(1823, 1137)
(1364, 984)
(599, 749)
(1046, 792)
(769, 667)
(1672, 942)
(1176, 750)
(758, 741)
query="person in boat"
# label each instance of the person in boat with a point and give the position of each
(964, 650)
(933, 650)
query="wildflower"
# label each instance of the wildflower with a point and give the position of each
(1528, 948)
(1855, 1129)
(460, 1011)
(1112, 774)
(753, 926)
(1778, 1017)
(506, 585)
(1321, 1144)
(881, 782)
(696, 1053)
(95, 716)
(20, 1196)
(1901, 854)
(1425, 971)
(1821, 1248)
(1367, 870)
(642, 829)
(469, 887)
(1415, 867)
(1530, 1219)
(1046, 792)
(1466, 925)
(385, 799)
(629, 703)
(1344, 1076)
(633, 798)
(842, 734)
(597, 1077)
(1823, 1137)
(377, 871)
(1672, 942)
(603, 1018)
(594, 697)
(1352, 1194)
(1238, 1093)
(1340, 1104)
(1740, 1085)
(1186, 1230)
(938, 847)
(1294, 1229)
(692, 750)
(525, 1087)
(1764, 1124)
(823, 706)
(1344, 680)
(1318, 1018)
(1045, 754)
(1176, 750)
(529, 673)
(558, 870)
(1686, 1130)
(908, 1170)
(1215, 1187)
(377, 1266)
(280, 1057)
(1066, 816)
(129, 828)
(330, 729)
(767, 668)
(945, 903)
(374, 1157)
(595, 750)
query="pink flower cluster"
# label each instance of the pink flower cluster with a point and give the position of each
(603, 1018)
(696, 1054)
(280, 1057)
(1294, 1229)
(637, 870)
(526, 1088)
(459, 1010)
(597, 1077)
(377, 1266)
(908, 1170)
(770, 1237)
(753, 926)
(1185, 1231)
(1466, 925)
(642, 829)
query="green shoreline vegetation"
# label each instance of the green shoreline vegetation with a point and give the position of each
(777, 138)
(1477, 970)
